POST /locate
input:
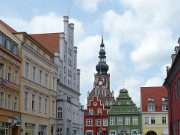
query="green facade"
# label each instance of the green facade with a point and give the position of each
(124, 117)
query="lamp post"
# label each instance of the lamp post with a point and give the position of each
(9, 124)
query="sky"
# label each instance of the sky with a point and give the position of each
(139, 36)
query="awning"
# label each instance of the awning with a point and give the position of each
(165, 132)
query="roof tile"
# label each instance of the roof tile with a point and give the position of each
(48, 40)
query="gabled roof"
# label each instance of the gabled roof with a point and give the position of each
(157, 93)
(7, 27)
(48, 40)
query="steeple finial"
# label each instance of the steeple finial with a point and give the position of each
(68, 13)
(102, 36)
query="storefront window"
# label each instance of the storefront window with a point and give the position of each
(29, 129)
(42, 130)
(3, 128)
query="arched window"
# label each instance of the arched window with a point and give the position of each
(59, 113)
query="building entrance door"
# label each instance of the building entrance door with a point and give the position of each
(151, 133)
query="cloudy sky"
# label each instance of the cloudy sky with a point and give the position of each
(139, 36)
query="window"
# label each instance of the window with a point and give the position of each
(59, 131)
(9, 73)
(164, 107)
(38, 50)
(29, 129)
(179, 86)
(9, 102)
(112, 120)
(26, 100)
(98, 122)
(2, 71)
(46, 106)
(153, 120)
(151, 99)
(8, 45)
(120, 121)
(89, 132)
(1, 100)
(99, 110)
(27, 70)
(146, 120)
(44, 54)
(53, 107)
(40, 104)
(127, 120)
(42, 130)
(16, 77)
(40, 77)
(47, 80)
(59, 113)
(90, 111)
(15, 103)
(34, 74)
(53, 83)
(128, 103)
(135, 120)
(163, 120)
(105, 122)
(89, 122)
(151, 107)
(33, 102)
(164, 99)
(1, 39)
(112, 132)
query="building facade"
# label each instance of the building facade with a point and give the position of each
(10, 73)
(124, 117)
(101, 87)
(154, 107)
(69, 110)
(95, 118)
(172, 83)
(38, 88)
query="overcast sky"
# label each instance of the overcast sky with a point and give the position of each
(139, 36)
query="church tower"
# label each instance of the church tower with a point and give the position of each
(101, 87)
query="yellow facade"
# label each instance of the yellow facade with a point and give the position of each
(158, 127)
(10, 89)
(38, 84)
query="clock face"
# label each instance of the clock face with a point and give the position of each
(94, 103)
(100, 82)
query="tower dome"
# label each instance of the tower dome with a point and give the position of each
(102, 67)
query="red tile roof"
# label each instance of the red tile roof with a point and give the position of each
(7, 27)
(48, 40)
(153, 92)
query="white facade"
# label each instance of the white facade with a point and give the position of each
(70, 117)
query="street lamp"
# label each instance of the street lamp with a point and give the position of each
(1, 65)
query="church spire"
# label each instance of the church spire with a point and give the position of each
(102, 67)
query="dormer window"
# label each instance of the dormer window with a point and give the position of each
(164, 99)
(164, 107)
(151, 99)
(151, 107)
